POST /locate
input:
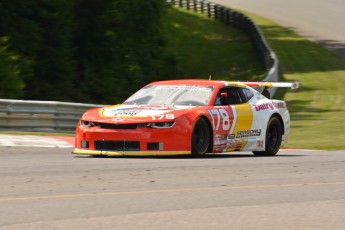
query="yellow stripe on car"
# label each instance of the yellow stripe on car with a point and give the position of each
(244, 120)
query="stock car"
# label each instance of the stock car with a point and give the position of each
(195, 117)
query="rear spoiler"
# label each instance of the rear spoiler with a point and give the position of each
(292, 85)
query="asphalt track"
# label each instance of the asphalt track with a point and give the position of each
(49, 188)
(45, 187)
(318, 20)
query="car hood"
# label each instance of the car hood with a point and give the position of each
(135, 113)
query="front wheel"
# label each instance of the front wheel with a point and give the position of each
(273, 141)
(200, 138)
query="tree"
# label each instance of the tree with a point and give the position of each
(85, 50)
(54, 65)
(120, 47)
(20, 39)
(41, 32)
(11, 85)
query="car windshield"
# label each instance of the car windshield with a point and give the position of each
(171, 95)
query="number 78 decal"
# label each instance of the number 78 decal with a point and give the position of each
(220, 117)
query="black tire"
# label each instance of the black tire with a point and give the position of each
(273, 141)
(200, 138)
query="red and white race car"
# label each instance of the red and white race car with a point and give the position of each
(187, 117)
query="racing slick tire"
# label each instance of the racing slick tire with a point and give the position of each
(273, 141)
(200, 140)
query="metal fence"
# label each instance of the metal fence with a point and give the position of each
(51, 116)
(43, 116)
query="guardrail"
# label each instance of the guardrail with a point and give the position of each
(52, 116)
(41, 116)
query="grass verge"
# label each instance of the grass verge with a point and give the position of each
(317, 108)
(206, 47)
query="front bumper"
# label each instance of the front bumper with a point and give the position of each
(133, 142)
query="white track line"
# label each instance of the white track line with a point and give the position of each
(32, 141)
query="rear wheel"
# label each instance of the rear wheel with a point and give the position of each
(200, 138)
(273, 141)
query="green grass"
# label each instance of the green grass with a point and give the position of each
(205, 47)
(317, 108)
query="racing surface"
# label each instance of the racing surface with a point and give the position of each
(318, 20)
(49, 188)
(46, 187)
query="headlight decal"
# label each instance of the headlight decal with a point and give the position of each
(88, 123)
(160, 125)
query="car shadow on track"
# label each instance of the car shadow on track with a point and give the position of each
(209, 156)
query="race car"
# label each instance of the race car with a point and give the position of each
(188, 116)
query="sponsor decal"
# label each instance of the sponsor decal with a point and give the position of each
(279, 105)
(231, 136)
(234, 141)
(239, 140)
(117, 119)
(264, 106)
(123, 111)
(260, 144)
(126, 112)
(235, 146)
(218, 149)
(272, 105)
(248, 133)
(220, 143)
(238, 146)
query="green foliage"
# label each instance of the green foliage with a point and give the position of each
(121, 54)
(102, 51)
(205, 47)
(41, 32)
(19, 47)
(11, 85)
(85, 50)
(19, 24)
(54, 64)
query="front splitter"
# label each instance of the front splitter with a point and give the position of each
(129, 153)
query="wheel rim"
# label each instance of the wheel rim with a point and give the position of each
(200, 138)
(273, 136)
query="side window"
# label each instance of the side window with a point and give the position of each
(228, 96)
(246, 94)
